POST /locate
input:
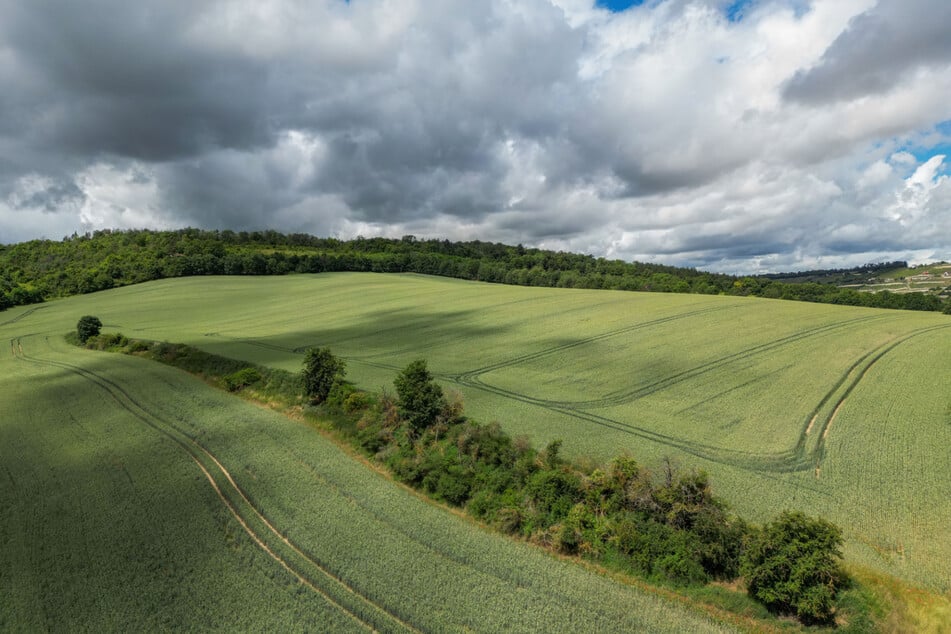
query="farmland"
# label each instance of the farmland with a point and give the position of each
(136, 498)
(836, 411)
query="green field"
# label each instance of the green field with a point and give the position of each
(837, 411)
(134, 497)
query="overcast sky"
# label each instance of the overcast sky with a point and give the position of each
(758, 135)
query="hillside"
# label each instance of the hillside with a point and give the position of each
(42, 269)
(806, 405)
(136, 498)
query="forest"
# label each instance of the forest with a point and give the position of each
(34, 271)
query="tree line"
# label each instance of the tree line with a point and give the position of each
(33, 271)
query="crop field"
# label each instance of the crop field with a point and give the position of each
(838, 411)
(133, 497)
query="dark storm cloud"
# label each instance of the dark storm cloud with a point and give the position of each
(878, 50)
(659, 132)
(51, 196)
(120, 78)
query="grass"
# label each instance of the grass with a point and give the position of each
(135, 497)
(836, 411)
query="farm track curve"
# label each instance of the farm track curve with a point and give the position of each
(801, 456)
(22, 315)
(796, 458)
(307, 569)
(844, 388)
(624, 397)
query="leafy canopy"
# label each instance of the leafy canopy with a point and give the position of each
(321, 371)
(88, 326)
(792, 566)
(421, 400)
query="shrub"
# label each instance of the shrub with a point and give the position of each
(792, 566)
(107, 341)
(242, 379)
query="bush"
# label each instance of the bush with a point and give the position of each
(107, 342)
(242, 379)
(140, 346)
(791, 565)
(88, 326)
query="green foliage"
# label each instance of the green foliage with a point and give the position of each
(32, 271)
(792, 566)
(110, 341)
(322, 370)
(421, 400)
(88, 326)
(242, 379)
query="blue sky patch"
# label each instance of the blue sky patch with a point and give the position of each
(616, 6)
(736, 10)
(938, 143)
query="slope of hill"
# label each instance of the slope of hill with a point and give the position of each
(838, 411)
(804, 404)
(136, 498)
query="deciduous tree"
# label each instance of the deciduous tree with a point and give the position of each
(88, 326)
(321, 370)
(792, 566)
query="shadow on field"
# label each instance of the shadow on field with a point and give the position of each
(374, 338)
(108, 524)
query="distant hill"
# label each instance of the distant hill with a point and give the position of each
(839, 277)
(33, 271)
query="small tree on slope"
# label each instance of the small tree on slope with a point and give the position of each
(792, 566)
(421, 399)
(321, 370)
(88, 326)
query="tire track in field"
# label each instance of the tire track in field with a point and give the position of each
(795, 459)
(627, 396)
(22, 315)
(379, 618)
(790, 460)
(842, 389)
(779, 462)
(472, 375)
(525, 581)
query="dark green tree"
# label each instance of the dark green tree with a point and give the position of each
(321, 370)
(421, 399)
(792, 566)
(88, 326)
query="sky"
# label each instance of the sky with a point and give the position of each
(737, 136)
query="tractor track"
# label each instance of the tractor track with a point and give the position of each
(624, 397)
(22, 315)
(307, 569)
(794, 459)
(844, 388)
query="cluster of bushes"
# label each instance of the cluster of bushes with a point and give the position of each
(32, 271)
(231, 374)
(667, 527)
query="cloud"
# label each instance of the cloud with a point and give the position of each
(667, 132)
(881, 48)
